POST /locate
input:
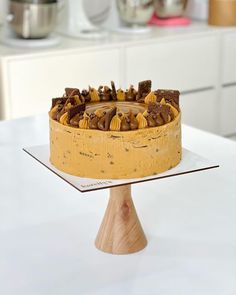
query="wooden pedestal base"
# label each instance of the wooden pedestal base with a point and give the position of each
(120, 231)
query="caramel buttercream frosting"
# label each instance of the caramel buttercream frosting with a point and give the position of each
(120, 95)
(115, 123)
(151, 97)
(94, 94)
(84, 123)
(142, 122)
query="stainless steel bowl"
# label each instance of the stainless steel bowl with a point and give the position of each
(33, 19)
(135, 12)
(169, 8)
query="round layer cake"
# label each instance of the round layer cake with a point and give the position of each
(114, 138)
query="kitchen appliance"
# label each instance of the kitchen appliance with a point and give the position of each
(73, 21)
(29, 23)
(169, 8)
(135, 12)
(129, 17)
(32, 19)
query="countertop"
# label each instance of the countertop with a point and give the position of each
(157, 34)
(47, 228)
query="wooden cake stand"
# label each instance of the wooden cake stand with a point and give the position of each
(121, 231)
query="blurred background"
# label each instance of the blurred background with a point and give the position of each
(190, 45)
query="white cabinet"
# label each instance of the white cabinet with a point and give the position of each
(199, 109)
(185, 64)
(34, 81)
(229, 58)
(228, 110)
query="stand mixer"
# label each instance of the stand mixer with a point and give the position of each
(30, 23)
(74, 22)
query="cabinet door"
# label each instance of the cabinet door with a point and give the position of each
(33, 81)
(228, 111)
(229, 58)
(186, 64)
(199, 109)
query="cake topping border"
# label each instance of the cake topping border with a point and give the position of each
(72, 109)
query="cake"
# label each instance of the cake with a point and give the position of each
(110, 133)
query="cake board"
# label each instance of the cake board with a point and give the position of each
(121, 231)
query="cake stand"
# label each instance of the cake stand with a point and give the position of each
(121, 231)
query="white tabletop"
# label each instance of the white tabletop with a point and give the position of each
(47, 228)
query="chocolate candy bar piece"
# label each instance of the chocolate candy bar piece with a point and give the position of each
(171, 96)
(153, 107)
(144, 87)
(72, 91)
(58, 100)
(86, 95)
(93, 123)
(108, 117)
(105, 93)
(75, 110)
(159, 109)
(113, 91)
(130, 94)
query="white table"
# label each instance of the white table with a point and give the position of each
(47, 228)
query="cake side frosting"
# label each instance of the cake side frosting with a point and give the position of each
(115, 154)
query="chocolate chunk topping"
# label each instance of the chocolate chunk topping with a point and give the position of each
(75, 120)
(86, 95)
(156, 113)
(165, 112)
(113, 91)
(101, 123)
(133, 121)
(93, 124)
(72, 91)
(144, 87)
(151, 121)
(125, 125)
(75, 110)
(108, 117)
(159, 109)
(104, 93)
(130, 95)
(58, 100)
(159, 120)
(104, 122)
(171, 96)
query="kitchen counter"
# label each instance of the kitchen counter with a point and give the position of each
(47, 228)
(196, 28)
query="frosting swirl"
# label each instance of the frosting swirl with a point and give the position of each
(94, 94)
(84, 123)
(151, 97)
(115, 123)
(64, 119)
(142, 122)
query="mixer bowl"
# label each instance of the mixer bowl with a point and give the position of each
(169, 8)
(33, 19)
(135, 12)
